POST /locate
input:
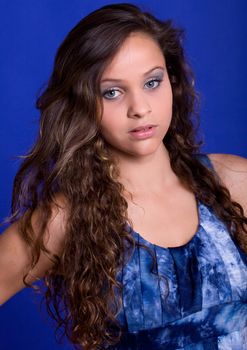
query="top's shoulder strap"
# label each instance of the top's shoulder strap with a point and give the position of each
(204, 159)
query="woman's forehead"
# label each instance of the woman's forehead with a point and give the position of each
(139, 52)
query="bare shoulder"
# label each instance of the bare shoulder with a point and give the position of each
(15, 254)
(232, 170)
(229, 167)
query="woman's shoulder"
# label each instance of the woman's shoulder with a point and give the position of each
(232, 170)
(229, 167)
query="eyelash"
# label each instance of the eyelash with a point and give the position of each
(158, 80)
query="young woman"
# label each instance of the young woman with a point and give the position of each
(139, 238)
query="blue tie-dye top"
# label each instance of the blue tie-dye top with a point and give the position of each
(206, 307)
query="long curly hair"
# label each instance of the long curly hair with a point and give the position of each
(71, 158)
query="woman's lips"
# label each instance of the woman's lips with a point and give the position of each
(141, 127)
(144, 133)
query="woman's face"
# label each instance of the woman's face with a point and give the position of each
(136, 91)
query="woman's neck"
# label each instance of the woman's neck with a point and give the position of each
(151, 173)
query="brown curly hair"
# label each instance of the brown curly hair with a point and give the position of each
(71, 158)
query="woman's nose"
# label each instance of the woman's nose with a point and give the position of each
(138, 105)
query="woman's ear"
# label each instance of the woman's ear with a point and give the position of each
(172, 76)
(173, 79)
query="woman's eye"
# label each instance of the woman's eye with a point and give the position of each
(153, 83)
(110, 94)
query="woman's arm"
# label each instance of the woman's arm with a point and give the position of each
(232, 170)
(15, 254)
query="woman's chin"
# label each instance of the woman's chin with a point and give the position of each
(137, 152)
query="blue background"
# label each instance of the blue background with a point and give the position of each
(30, 33)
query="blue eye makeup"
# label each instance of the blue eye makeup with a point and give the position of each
(154, 80)
(110, 94)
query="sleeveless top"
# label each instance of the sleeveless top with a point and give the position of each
(206, 305)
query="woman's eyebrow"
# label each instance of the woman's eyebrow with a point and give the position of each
(146, 73)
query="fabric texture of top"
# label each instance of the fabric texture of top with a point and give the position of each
(206, 306)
